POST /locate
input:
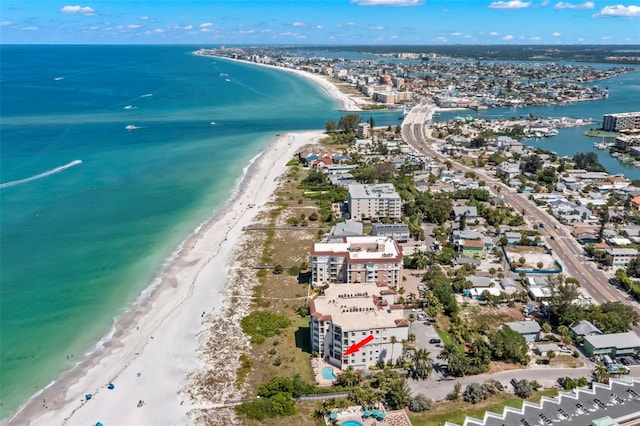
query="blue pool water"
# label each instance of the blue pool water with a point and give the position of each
(327, 374)
(351, 423)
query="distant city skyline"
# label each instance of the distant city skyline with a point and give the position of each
(328, 22)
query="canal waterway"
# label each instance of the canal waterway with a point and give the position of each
(624, 96)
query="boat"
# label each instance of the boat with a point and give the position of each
(213, 123)
(130, 127)
(130, 107)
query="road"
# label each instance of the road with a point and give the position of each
(571, 254)
(437, 389)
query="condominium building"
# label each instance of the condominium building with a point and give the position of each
(374, 201)
(621, 121)
(363, 131)
(620, 257)
(363, 259)
(345, 315)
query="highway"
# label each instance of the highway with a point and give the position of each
(570, 253)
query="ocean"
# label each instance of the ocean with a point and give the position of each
(90, 211)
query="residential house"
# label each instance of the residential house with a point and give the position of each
(349, 228)
(530, 330)
(471, 211)
(584, 328)
(472, 248)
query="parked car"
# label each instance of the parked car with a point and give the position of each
(624, 361)
(541, 225)
(435, 341)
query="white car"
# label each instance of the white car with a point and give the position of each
(416, 310)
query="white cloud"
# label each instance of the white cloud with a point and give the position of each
(268, 30)
(400, 3)
(377, 28)
(158, 30)
(534, 38)
(567, 5)
(442, 39)
(188, 27)
(86, 10)
(456, 34)
(30, 28)
(298, 24)
(5, 23)
(468, 36)
(556, 34)
(545, 3)
(606, 37)
(351, 24)
(512, 4)
(620, 10)
(144, 18)
(133, 26)
(251, 31)
(206, 25)
(318, 27)
(508, 37)
(493, 33)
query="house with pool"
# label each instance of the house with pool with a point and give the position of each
(347, 314)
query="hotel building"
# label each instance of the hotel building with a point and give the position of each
(374, 201)
(344, 315)
(357, 260)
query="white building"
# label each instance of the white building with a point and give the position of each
(621, 121)
(345, 315)
(363, 131)
(363, 259)
(374, 201)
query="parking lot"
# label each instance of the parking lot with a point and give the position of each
(424, 332)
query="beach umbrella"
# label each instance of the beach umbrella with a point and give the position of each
(333, 416)
(367, 413)
(110, 386)
(99, 424)
(381, 416)
(88, 396)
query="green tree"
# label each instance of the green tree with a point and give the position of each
(348, 123)
(562, 297)
(422, 364)
(420, 403)
(399, 394)
(508, 345)
(600, 374)
(348, 378)
(330, 126)
(474, 393)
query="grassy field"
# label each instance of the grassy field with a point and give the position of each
(456, 411)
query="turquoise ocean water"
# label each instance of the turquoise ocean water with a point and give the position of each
(89, 210)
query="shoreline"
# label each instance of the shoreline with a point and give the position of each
(159, 341)
(347, 103)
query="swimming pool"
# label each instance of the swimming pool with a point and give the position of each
(351, 423)
(328, 374)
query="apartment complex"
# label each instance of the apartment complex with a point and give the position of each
(364, 259)
(620, 257)
(346, 314)
(621, 121)
(363, 131)
(374, 201)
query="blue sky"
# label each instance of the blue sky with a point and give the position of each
(210, 23)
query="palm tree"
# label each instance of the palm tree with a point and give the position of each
(399, 394)
(394, 340)
(600, 374)
(349, 377)
(422, 363)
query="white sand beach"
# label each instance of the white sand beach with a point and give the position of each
(158, 346)
(347, 103)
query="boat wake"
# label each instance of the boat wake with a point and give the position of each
(130, 107)
(41, 175)
(146, 95)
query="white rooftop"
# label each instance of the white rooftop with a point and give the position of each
(352, 306)
(362, 248)
(380, 190)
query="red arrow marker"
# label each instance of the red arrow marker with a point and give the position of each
(356, 346)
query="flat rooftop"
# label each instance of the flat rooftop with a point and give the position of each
(380, 190)
(358, 307)
(361, 248)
